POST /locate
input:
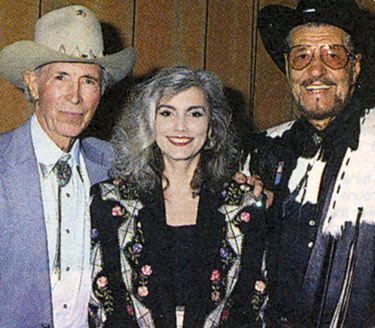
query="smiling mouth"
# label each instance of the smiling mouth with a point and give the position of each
(180, 141)
(319, 87)
(70, 114)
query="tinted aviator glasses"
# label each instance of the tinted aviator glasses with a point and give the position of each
(334, 56)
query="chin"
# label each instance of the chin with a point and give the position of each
(317, 115)
(71, 133)
(320, 112)
(181, 157)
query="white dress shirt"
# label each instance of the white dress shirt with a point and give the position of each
(70, 294)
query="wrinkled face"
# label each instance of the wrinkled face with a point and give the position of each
(319, 91)
(181, 124)
(67, 95)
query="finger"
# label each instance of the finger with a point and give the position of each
(269, 199)
(258, 188)
(253, 179)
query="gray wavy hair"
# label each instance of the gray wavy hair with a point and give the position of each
(138, 159)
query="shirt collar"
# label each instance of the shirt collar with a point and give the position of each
(47, 152)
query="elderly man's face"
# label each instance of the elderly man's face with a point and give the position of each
(320, 91)
(67, 95)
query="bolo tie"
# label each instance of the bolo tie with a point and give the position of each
(63, 173)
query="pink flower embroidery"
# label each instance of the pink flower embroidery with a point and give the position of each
(245, 217)
(142, 291)
(130, 310)
(225, 315)
(260, 286)
(102, 282)
(215, 296)
(146, 270)
(215, 275)
(117, 210)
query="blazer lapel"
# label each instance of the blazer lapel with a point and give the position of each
(210, 233)
(153, 221)
(210, 225)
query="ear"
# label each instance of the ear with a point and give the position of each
(209, 131)
(31, 80)
(356, 67)
(286, 66)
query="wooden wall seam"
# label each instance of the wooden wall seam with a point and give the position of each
(206, 35)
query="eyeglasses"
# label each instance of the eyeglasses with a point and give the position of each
(334, 56)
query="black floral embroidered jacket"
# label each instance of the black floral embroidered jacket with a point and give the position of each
(131, 259)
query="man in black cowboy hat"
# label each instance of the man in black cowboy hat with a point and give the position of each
(46, 170)
(321, 263)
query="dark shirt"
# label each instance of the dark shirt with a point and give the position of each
(183, 263)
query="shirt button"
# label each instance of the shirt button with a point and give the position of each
(312, 223)
(67, 268)
(310, 244)
(65, 306)
(67, 231)
(67, 195)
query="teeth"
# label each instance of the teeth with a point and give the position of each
(179, 139)
(318, 87)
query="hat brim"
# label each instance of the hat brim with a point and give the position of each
(26, 55)
(275, 22)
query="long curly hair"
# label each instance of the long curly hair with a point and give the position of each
(138, 159)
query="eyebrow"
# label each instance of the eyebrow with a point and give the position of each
(172, 107)
(62, 73)
(91, 77)
(326, 44)
(83, 76)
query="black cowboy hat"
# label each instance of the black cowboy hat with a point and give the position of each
(275, 22)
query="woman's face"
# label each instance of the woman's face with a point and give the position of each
(181, 124)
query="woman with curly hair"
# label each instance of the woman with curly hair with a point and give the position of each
(176, 242)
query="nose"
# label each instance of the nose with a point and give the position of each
(180, 123)
(317, 67)
(74, 94)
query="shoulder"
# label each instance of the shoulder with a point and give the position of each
(243, 209)
(96, 147)
(15, 144)
(270, 148)
(6, 137)
(272, 138)
(96, 143)
(113, 202)
(368, 121)
(6, 146)
(13, 135)
(114, 189)
(278, 130)
(367, 130)
(116, 198)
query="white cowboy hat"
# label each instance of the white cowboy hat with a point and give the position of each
(70, 34)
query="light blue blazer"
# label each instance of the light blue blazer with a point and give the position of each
(25, 295)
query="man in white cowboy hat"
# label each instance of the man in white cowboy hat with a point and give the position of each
(46, 171)
(321, 263)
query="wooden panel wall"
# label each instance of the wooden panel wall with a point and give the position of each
(218, 35)
(14, 26)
